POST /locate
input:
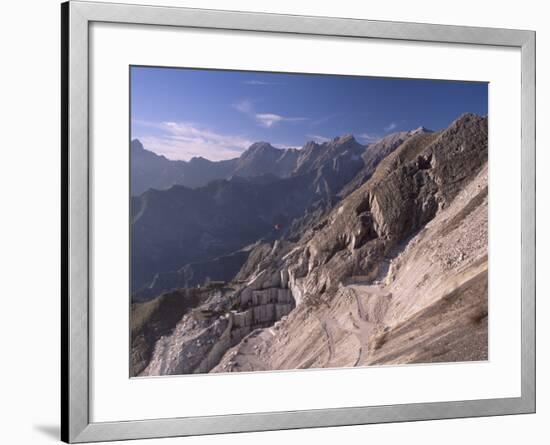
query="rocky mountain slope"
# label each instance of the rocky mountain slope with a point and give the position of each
(375, 153)
(174, 229)
(262, 158)
(395, 272)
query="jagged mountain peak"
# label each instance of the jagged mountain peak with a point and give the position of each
(310, 144)
(258, 147)
(262, 157)
(420, 130)
(465, 119)
(198, 160)
(136, 145)
(138, 150)
(340, 152)
(344, 139)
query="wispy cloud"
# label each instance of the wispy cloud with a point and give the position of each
(244, 106)
(323, 119)
(286, 145)
(259, 82)
(318, 138)
(369, 138)
(184, 140)
(267, 120)
(391, 126)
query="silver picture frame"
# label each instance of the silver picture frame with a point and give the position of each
(75, 396)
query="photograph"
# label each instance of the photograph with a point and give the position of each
(290, 221)
(269, 223)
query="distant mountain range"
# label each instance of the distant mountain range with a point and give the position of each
(152, 171)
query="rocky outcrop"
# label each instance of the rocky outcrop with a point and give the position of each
(374, 153)
(201, 338)
(151, 321)
(408, 188)
(220, 318)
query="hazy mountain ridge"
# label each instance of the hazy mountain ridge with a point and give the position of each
(152, 171)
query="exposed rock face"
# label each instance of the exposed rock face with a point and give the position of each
(375, 153)
(340, 150)
(396, 272)
(155, 319)
(261, 158)
(408, 188)
(200, 339)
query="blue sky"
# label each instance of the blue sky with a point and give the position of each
(181, 113)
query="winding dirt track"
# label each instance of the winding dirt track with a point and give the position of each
(330, 342)
(365, 321)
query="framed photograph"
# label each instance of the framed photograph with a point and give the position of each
(276, 222)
